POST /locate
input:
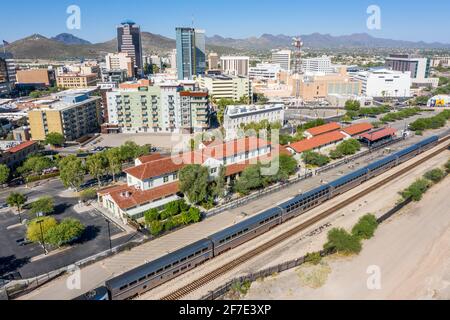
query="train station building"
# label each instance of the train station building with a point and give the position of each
(378, 136)
(154, 181)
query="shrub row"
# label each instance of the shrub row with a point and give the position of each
(30, 179)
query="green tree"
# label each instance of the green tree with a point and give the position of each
(341, 241)
(44, 205)
(366, 226)
(220, 183)
(97, 166)
(131, 151)
(35, 165)
(435, 175)
(4, 173)
(37, 230)
(447, 166)
(67, 231)
(150, 216)
(156, 227)
(72, 172)
(195, 215)
(250, 179)
(55, 139)
(17, 200)
(416, 190)
(315, 159)
(352, 105)
(194, 182)
(114, 157)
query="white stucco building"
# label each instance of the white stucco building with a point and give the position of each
(384, 83)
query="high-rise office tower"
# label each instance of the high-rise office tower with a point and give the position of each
(283, 58)
(191, 52)
(7, 73)
(129, 41)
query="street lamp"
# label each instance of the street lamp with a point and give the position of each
(42, 236)
(109, 234)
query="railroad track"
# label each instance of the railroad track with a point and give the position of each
(197, 284)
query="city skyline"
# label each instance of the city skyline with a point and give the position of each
(398, 22)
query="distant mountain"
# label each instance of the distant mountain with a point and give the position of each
(69, 39)
(64, 46)
(321, 41)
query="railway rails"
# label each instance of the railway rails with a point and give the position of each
(209, 277)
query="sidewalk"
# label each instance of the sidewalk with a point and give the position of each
(94, 205)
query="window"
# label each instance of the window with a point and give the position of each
(123, 287)
(166, 179)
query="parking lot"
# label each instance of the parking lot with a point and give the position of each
(29, 260)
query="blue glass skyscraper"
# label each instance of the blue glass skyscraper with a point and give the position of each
(191, 52)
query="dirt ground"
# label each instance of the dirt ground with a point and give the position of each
(409, 258)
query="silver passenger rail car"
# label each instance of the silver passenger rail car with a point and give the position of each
(348, 182)
(157, 272)
(246, 230)
(305, 202)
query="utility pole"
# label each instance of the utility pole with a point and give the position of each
(42, 236)
(109, 234)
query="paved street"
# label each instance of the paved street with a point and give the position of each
(93, 241)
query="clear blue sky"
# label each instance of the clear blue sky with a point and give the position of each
(401, 19)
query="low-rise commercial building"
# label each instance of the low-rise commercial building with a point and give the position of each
(384, 83)
(226, 87)
(265, 71)
(76, 80)
(318, 87)
(238, 116)
(43, 77)
(13, 156)
(73, 116)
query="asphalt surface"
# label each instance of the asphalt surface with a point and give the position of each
(18, 258)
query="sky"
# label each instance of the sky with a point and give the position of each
(413, 20)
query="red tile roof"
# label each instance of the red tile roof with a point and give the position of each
(316, 142)
(234, 147)
(22, 146)
(324, 129)
(193, 94)
(175, 163)
(128, 197)
(150, 158)
(379, 134)
(155, 168)
(358, 128)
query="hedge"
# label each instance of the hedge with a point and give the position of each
(30, 179)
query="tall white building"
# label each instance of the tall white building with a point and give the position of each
(265, 71)
(317, 65)
(237, 116)
(283, 58)
(384, 83)
(235, 65)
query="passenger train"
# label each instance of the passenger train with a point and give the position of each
(157, 272)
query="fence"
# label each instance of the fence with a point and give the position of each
(357, 156)
(256, 195)
(17, 288)
(222, 290)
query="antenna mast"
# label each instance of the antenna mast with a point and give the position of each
(297, 43)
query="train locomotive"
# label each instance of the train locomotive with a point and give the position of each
(170, 266)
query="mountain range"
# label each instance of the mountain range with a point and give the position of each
(64, 46)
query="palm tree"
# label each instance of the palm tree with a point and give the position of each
(17, 200)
